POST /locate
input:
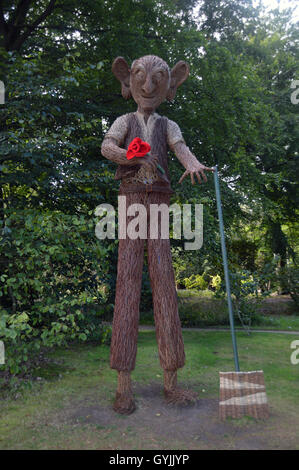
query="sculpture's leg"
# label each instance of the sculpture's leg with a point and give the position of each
(167, 321)
(168, 326)
(126, 316)
(124, 400)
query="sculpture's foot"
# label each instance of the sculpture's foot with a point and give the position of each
(179, 396)
(175, 395)
(124, 403)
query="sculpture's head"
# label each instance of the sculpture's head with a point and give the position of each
(149, 80)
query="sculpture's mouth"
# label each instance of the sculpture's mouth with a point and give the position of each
(148, 97)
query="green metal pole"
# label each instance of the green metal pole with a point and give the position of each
(225, 266)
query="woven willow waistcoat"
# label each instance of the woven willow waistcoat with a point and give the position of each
(134, 178)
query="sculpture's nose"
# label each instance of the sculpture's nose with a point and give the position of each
(148, 86)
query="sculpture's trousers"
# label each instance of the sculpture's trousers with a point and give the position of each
(128, 290)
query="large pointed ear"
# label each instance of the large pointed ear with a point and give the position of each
(121, 70)
(178, 75)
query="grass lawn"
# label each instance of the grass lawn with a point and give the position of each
(278, 322)
(69, 405)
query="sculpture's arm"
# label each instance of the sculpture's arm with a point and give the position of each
(113, 152)
(189, 162)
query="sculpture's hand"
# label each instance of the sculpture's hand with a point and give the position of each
(148, 161)
(198, 169)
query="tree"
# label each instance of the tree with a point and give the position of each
(17, 23)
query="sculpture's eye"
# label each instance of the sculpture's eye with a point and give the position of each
(159, 76)
(139, 74)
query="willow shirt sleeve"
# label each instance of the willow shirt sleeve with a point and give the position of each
(118, 130)
(174, 134)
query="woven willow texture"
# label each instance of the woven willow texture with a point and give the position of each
(134, 177)
(124, 402)
(243, 393)
(128, 289)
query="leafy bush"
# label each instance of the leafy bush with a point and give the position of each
(195, 281)
(53, 272)
(289, 279)
(215, 282)
(106, 334)
(244, 287)
(199, 294)
(203, 313)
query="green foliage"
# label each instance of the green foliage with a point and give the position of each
(289, 279)
(203, 313)
(195, 281)
(244, 289)
(216, 282)
(106, 334)
(51, 287)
